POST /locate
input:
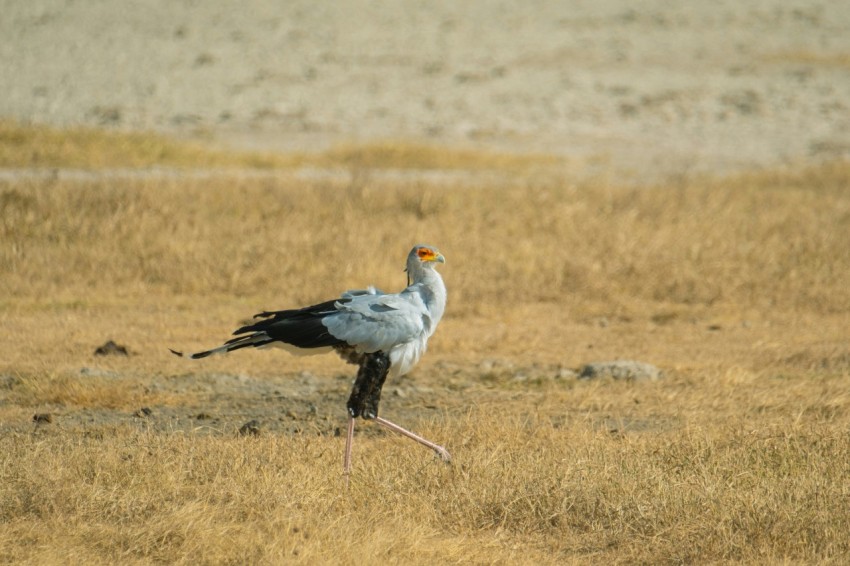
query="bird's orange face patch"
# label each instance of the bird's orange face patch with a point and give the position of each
(426, 254)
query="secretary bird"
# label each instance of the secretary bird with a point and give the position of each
(384, 334)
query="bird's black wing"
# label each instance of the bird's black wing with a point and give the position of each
(301, 328)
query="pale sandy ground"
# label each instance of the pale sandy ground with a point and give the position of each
(637, 87)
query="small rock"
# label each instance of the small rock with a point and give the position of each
(251, 428)
(42, 418)
(143, 412)
(621, 369)
(110, 348)
(203, 416)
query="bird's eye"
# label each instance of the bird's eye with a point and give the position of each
(424, 252)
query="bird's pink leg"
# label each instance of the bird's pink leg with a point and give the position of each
(444, 454)
(349, 439)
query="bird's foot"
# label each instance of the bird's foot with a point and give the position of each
(443, 454)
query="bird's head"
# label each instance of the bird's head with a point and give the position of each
(427, 254)
(422, 257)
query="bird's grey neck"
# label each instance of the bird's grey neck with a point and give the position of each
(430, 284)
(428, 278)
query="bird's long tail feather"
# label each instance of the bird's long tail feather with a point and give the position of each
(256, 340)
(297, 330)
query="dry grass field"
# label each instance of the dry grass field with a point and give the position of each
(737, 288)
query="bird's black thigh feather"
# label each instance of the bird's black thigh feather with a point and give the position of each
(366, 393)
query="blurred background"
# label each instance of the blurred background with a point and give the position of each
(660, 88)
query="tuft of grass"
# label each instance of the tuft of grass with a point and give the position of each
(406, 155)
(38, 146)
(809, 57)
(35, 146)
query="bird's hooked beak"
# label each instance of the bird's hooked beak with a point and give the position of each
(431, 255)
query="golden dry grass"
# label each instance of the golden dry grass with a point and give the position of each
(39, 146)
(42, 146)
(735, 287)
(522, 490)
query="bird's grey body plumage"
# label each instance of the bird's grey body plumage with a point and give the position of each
(365, 320)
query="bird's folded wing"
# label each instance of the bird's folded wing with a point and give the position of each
(352, 293)
(378, 322)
